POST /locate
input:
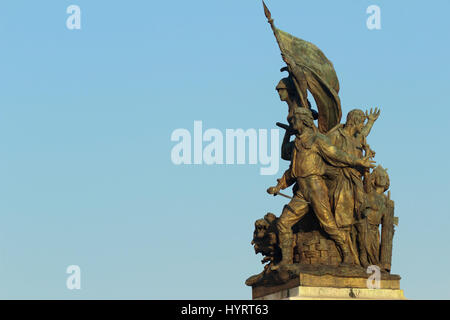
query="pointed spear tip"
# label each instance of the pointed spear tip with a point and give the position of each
(266, 11)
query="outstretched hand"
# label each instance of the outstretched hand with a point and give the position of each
(373, 115)
(366, 162)
(273, 190)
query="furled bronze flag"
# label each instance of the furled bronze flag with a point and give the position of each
(311, 70)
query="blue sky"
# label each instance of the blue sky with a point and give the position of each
(86, 118)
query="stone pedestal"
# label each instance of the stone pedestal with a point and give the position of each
(330, 287)
(324, 293)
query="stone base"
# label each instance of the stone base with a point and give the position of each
(326, 293)
(328, 284)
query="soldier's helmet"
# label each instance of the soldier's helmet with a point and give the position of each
(287, 84)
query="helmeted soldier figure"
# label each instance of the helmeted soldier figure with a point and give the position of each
(288, 93)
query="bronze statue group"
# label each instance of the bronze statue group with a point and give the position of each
(339, 196)
(334, 177)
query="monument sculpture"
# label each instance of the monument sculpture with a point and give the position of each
(339, 222)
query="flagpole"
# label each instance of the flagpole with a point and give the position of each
(268, 14)
(272, 25)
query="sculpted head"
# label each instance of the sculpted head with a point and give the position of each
(380, 178)
(303, 118)
(356, 119)
(286, 89)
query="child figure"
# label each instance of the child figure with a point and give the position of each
(377, 209)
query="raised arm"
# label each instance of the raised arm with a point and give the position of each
(371, 118)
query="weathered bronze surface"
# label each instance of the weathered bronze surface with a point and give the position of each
(329, 232)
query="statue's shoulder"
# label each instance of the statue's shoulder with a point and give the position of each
(336, 130)
(314, 140)
(306, 140)
(322, 138)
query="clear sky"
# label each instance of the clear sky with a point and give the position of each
(86, 118)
